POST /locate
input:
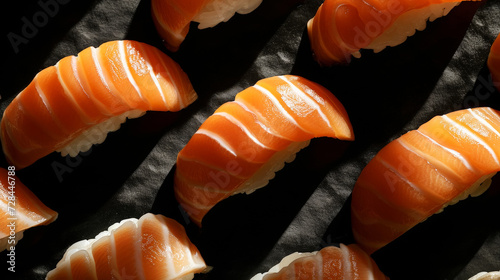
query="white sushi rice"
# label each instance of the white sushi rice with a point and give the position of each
(219, 11)
(475, 190)
(286, 261)
(487, 276)
(407, 24)
(97, 134)
(267, 172)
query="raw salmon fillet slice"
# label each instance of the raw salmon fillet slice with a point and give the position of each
(240, 147)
(20, 208)
(330, 263)
(74, 104)
(417, 175)
(152, 247)
(173, 18)
(341, 28)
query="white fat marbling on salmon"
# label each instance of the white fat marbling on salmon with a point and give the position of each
(67, 92)
(236, 122)
(310, 102)
(223, 143)
(154, 78)
(264, 127)
(166, 69)
(346, 262)
(130, 78)
(454, 153)
(472, 136)
(484, 122)
(399, 175)
(191, 261)
(46, 103)
(278, 105)
(98, 68)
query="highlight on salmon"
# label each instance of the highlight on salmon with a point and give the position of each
(494, 63)
(447, 159)
(341, 28)
(71, 106)
(240, 147)
(151, 247)
(330, 263)
(20, 210)
(173, 18)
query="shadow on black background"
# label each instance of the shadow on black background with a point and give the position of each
(233, 230)
(21, 65)
(78, 188)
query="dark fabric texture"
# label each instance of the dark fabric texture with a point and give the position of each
(306, 206)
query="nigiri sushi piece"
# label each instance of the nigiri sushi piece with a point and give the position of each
(20, 209)
(341, 28)
(330, 263)
(240, 147)
(152, 247)
(71, 106)
(447, 159)
(487, 276)
(494, 63)
(172, 18)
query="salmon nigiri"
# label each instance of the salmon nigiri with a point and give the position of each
(20, 209)
(494, 63)
(447, 159)
(151, 247)
(341, 28)
(172, 18)
(330, 263)
(240, 147)
(74, 104)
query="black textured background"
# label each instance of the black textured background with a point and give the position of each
(306, 207)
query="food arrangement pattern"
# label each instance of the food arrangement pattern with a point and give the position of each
(306, 206)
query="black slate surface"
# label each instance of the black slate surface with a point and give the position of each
(306, 207)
